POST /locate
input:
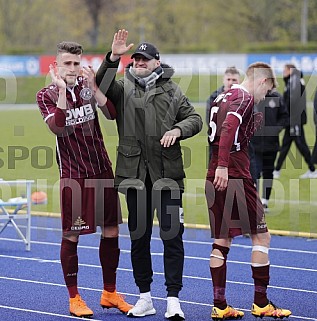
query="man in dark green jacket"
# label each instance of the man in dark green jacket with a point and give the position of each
(153, 115)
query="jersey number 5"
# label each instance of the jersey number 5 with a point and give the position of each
(212, 124)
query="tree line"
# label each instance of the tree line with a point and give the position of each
(35, 26)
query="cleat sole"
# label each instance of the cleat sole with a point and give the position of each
(229, 318)
(106, 307)
(270, 316)
(88, 316)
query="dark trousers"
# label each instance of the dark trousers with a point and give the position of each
(168, 204)
(264, 166)
(301, 144)
(314, 153)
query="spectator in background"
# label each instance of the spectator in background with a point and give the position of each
(314, 153)
(295, 101)
(230, 77)
(265, 141)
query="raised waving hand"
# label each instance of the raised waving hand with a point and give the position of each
(119, 44)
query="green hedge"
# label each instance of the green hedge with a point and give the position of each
(197, 88)
(251, 47)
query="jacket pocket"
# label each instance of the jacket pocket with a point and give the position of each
(172, 163)
(128, 159)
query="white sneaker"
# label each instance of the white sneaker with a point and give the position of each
(142, 308)
(265, 203)
(309, 174)
(305, 175)
(276, 174)
(174, 311)
(313, 174)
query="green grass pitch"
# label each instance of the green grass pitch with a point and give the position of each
(27, 151)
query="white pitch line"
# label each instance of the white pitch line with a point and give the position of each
(248, 247)
(157, 254)
(186, 256)
(43, 312)
(72, 317)
(156, 273)
(129, 294)
(185, 241)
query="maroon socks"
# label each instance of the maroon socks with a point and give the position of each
(69, 261)
(219, 275)
(109, 258)
(261, 276)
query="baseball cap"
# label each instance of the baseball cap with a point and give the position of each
(147, 50)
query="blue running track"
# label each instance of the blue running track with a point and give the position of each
(32, 285)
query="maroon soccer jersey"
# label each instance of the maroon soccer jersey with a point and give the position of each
(79, 145)
(230, 128)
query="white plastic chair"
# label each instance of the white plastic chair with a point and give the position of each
(16, 204)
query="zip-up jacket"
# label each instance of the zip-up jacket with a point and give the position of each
(275, 118)
(295, 98)
(143, 117)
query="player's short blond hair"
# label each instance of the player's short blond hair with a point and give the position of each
(261, 69)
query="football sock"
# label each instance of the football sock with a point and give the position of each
(69, 261)
(109, 258)
(219, 275)
(261, 276)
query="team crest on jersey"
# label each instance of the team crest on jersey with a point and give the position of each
(86, 93)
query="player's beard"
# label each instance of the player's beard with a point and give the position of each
(142, 72)
(70, 80)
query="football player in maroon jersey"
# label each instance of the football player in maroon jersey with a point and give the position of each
(88, 197)
(233, 202)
